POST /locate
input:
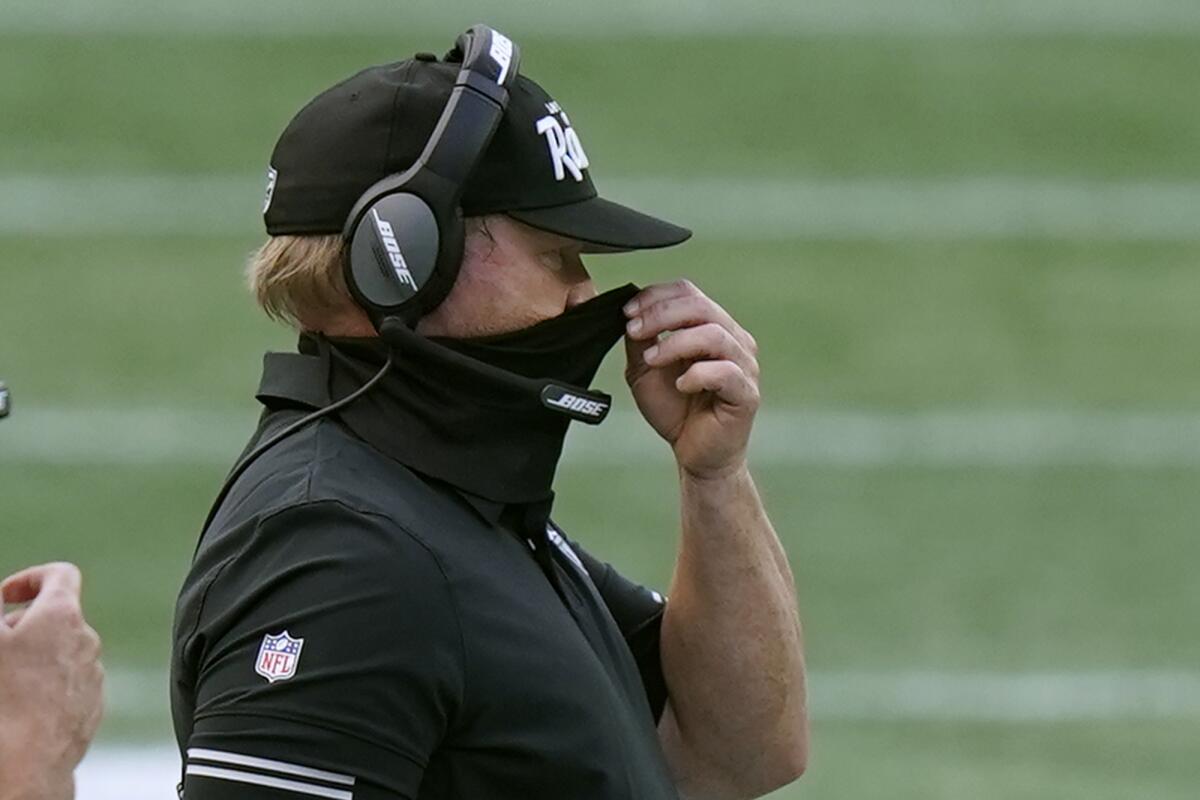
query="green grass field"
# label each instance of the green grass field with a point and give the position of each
(961, 569)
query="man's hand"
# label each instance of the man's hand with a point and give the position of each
(697, 386)
(51, 684)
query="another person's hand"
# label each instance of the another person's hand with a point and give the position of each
(698, 387)
(51, 684)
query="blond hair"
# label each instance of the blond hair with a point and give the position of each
(298, 280)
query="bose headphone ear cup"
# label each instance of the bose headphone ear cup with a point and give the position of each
(393, 252)
(449, 262)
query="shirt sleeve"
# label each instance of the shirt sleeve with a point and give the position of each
(328, 662)
(638, 612)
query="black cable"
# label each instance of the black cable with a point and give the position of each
(254, 454)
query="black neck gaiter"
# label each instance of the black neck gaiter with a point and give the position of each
(470, 411)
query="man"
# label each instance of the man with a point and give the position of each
(380, 605)
(51, 684)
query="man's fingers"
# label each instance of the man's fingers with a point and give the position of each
(635, 350)
(709, 341)
(725, 379)
(667, 306)
(91, 698)
(658, 292)
(59, 578)
(51, 590)
(93, 646)
(674, 313)
(96, 679)
(23, 586)
(663, 313)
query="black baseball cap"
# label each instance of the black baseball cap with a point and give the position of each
(377, 122)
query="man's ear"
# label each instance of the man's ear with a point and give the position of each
(479, 243)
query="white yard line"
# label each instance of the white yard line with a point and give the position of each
(1006, 697)
(914, 695)
(926, 696)
(128, 773)
(150, 773)
(792, 437)
(923, 696)
(616, 18)
(718, 208)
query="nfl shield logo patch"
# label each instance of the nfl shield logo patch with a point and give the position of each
(278, 656)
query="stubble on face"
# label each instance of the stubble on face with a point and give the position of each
(513, 276)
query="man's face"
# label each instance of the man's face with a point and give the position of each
(513, 276)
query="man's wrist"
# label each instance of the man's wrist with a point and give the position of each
(712, 477)
(25, 775)
(38, 787)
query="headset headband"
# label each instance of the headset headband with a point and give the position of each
(490, 64)
(405, 234)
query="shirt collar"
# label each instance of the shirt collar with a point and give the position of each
(489, 510)
(300, 380)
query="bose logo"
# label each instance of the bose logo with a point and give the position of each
(502, 52)
(566, 151)
(580, 405)
(388, 238)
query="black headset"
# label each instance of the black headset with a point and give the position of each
(405, 234)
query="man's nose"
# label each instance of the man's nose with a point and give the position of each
(581, 292)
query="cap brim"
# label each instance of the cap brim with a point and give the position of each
(604, 226)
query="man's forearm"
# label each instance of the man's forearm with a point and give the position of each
(24, 775)
(732, 649)
(58, 789)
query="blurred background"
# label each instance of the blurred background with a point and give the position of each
(964, 232)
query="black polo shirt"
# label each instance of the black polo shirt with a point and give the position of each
(353, 629)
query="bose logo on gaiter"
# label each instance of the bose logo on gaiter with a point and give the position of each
(572, 403)
(584, 408)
